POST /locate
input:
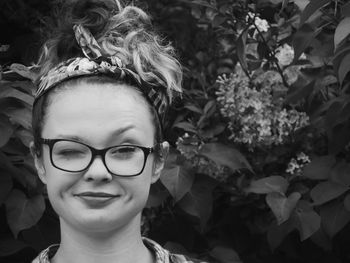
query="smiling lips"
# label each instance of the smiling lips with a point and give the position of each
(96, 195)
(96, 199)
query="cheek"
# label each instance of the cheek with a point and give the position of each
(56, 185)
(57, 181)
(143, 182)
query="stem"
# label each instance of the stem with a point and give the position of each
(273, 54)
(336, 8)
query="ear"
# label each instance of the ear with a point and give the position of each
(38, 161)
(159, 162)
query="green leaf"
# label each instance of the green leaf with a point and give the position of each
(308, 220)
(319, 168)
(21, 212)
(334, 217)
(302, 39)
(6, 130)
(186, 126)
(25, 136)
(344, 68)
(277, 233)
(347, 202)
(23, 85)
(5, 185)
(157, 195)
(311, 8)
(21, 116)
(212, 131)
(281, 206)
(340, 53)
(301, 4)
(10, 92)
(177, 178)
(209, 108)
(218, 20)
(225, 155)
(193, 108)
(341, 173)
(268, 185)
(241, 50)
(338, 59)
(321, 239)
(300, 92)
(225, 255)
(198, 201)
(6, 165)
(341, 32)
(327, 191)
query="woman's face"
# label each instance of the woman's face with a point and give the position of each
(100, 115)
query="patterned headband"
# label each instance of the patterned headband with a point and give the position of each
(94, 63)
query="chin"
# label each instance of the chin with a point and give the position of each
(95, 222)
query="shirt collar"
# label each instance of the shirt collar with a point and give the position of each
(162, 255)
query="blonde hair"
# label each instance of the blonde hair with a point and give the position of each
(126, 32)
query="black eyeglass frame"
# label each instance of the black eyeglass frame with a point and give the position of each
(99, 152)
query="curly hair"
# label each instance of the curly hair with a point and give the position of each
(126, 32)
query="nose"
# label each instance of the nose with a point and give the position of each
(97, 171)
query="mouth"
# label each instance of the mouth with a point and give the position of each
(97, 200)
(96, 195)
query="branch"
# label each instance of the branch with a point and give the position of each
(272, 54)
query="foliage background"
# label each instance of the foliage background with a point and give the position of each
(239, 185)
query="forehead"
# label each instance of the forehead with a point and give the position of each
(97, 110)
(103, 91)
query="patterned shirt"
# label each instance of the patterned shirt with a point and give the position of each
(161, 255)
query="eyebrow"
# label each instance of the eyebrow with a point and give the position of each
(80, 139)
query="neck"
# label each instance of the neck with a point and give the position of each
(122, 245)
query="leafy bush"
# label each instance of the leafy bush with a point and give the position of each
(260, 164)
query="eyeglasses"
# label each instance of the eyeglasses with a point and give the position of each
(121, 160)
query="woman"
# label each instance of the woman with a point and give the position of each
(106, 82)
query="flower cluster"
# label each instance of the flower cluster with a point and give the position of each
(296, 165)
(189, 147)
(257, 117)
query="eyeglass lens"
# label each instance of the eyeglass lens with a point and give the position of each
(124, 160)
